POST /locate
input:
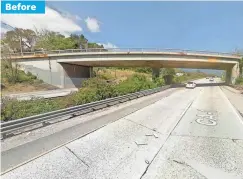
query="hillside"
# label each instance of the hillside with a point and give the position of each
(218, 73)
(16, 81)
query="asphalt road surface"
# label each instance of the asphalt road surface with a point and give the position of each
(192, 133)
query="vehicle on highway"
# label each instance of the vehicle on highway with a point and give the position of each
(191, 85)
(211, 79)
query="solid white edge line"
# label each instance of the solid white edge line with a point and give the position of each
(231, 106)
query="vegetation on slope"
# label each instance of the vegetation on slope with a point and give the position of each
(239, 81)
(104, 85)
(93, 89)
(15, 80)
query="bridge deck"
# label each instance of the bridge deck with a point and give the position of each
(80, 52)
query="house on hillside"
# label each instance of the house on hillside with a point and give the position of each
(179, 74)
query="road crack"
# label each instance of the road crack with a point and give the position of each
(77, 156)
(187, 165)
(179, 162)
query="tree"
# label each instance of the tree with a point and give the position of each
(168, 75)
(8, 68)
(20, 38)
(241, 66)
(239, 52)
(168, 71)
(50, 40)
(80, 41)
(94, 45)
(28, 39)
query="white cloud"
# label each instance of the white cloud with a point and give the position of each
(52, 20)
(108, 45)
(92, 24)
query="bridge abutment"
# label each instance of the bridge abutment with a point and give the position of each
(232, 74)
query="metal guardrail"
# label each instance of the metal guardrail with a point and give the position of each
(59, 52)
(10, 128)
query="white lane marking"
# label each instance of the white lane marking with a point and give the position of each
(208, 118)
(210, 122)
(231, 106)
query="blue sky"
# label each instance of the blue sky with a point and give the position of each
(213, 26)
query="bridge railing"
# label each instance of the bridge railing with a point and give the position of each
(59, 52)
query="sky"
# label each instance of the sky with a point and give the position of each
(211, 26)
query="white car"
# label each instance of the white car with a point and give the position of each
(190, 85)
(211, 79)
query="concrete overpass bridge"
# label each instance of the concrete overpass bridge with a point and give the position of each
(67, 68)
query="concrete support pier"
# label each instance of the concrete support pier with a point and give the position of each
(155, 72)
(232, 74)
(74, 75)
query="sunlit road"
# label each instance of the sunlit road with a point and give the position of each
(192, 133)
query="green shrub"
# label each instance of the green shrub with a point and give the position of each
(14, 109)
(239, 81)
(143, 70)
(133, 84)
(105, 76)
(159, 81)
(92, 89)
(13, 74)
(85, 95)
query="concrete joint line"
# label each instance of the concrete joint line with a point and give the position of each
(76, 156)
(34, 158)
(188, 106)
(142, 125)
(185, 164)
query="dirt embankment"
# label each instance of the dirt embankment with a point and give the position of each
(238, 87)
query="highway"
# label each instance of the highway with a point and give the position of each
(177, 133)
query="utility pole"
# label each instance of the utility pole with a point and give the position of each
(20, 43)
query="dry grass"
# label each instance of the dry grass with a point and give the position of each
(115, 75)
(120, 75)
(238, 87)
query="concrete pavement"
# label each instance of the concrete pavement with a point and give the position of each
(36, 142)
(235, 97)
(193, 133)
